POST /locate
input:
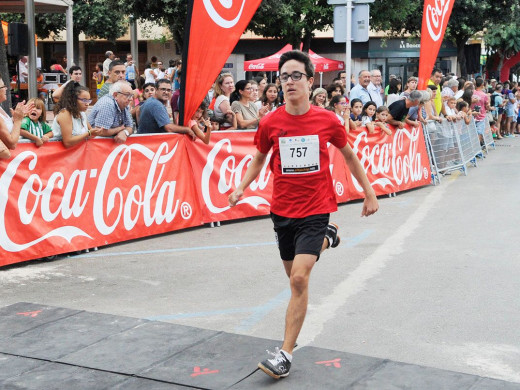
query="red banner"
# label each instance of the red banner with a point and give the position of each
(213, 29)
(436, 14)
(54, 200)
(392, 163)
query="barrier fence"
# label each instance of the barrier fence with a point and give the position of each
(453, 144)
(55, 200)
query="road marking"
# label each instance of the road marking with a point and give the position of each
(325, 311)
(172, 250)
(257, 312)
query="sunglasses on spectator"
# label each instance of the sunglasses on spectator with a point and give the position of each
(295, 76)
(86, 101)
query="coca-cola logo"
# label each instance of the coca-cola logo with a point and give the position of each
(435, 18)
(229, 175)
(261, 65)
(391, 162)
(152, 201)
(226, 8)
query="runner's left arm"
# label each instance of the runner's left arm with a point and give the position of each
(370, 205)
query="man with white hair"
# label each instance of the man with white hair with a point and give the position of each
(375, 88)
(112, 113)
(449, 89)
(109, 58)
(360, 90)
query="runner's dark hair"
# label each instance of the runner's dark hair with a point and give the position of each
(299, 56)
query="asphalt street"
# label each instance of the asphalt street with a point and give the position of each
(432, 279)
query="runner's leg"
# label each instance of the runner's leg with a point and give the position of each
(299, 273)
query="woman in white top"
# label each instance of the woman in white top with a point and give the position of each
(71, 122)
(222, 110)
(394, 89)
(149, 74)
(10, 127)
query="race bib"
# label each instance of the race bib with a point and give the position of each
(300, 155)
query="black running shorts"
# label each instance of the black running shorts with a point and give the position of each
(298, 236)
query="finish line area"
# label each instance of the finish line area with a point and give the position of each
(45, 347)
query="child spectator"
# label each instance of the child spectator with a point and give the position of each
(270, 98)
(200, 123)
(368, 115)
(463, 111)
(98, 77)
(356, 107)
(450, 108)
(339, 105)
(381, 117)
(33, 126)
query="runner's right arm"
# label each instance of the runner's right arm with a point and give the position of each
(252, 172)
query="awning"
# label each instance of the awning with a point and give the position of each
(321, 64)
(41, 6)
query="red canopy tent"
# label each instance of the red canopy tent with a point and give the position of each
(321, 64)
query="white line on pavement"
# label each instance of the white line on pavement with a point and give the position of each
(325, 311)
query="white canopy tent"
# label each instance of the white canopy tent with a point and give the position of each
(30, 7)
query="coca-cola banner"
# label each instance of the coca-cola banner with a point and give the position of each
(392, 163)
(54, 200)
(436, 14)
(213, 28)
(219, 168)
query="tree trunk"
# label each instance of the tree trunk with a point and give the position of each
(500, 63)
(307, 38)
(461, 56)
(4, 71)
(75, 42)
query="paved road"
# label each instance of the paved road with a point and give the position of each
(432, 279)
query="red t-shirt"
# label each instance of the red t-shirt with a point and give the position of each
(305, 186)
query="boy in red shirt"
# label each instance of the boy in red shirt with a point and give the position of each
(303, 196)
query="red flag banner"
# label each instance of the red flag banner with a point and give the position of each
(213, 28)
(436, 15)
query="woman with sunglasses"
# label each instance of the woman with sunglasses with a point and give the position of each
(10, 127)
(71, 122)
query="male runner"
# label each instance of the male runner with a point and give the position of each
(303, 195)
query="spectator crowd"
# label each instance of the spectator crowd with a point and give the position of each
(130, 101)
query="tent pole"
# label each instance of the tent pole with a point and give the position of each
(321, 79)
(31, 78)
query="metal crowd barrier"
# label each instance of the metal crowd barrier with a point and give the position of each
(489, 141)
(452, 145)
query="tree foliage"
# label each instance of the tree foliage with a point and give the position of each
(168, 13)
(94, 18)
(292, 21)
(468, 17)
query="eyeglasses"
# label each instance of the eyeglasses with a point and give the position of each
(343, 103)
(127, 95)
(165, 89)
(86, 101)
(295, 76)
